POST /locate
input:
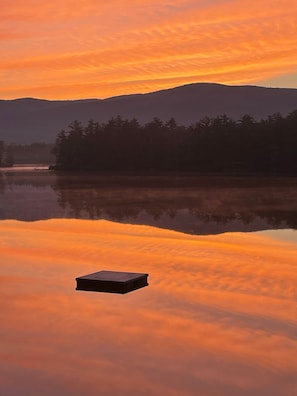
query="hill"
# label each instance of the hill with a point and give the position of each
(29, 120)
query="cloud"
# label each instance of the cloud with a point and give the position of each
(112, 46)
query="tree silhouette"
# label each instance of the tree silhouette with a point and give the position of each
(1, 152)
(217, 144)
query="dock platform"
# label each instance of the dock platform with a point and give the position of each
(112, 282)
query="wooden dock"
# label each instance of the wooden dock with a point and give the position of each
(112, 282)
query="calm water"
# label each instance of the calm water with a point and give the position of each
(219, 314)
(194, 205)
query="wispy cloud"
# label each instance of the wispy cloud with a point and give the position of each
(115, 47)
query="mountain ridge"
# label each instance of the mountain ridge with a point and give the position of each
(27, 120)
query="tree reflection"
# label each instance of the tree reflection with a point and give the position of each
(243, 202)
(2, 183)
(191, 204)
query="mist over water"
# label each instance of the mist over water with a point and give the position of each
(190, 204)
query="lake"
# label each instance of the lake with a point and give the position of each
(218, 317)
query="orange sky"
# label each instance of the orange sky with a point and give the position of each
(69, 49)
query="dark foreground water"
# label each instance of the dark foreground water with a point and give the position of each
(219, 314)
(196, 205)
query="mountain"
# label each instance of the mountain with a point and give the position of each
(30, 120)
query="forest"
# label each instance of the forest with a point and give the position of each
(218, 144)
(6, 156)
(34, 153)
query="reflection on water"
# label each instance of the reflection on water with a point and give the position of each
(286, 235)
(196, 205)
(219, 317)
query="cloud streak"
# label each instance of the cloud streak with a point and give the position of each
(126, 47)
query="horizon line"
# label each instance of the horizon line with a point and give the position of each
(146, 93)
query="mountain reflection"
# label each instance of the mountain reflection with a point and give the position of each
(191, 204)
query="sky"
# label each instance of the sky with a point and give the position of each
(72, 49)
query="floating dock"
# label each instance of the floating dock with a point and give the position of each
(112, 282)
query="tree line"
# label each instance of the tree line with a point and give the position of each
(218, 144)
(34, 153)
(6, 155)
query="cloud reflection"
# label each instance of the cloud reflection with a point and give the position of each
(218, 318)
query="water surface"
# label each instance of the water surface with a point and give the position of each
(190, 204)
(219, 314)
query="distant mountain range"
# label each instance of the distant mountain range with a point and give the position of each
(30, 120)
